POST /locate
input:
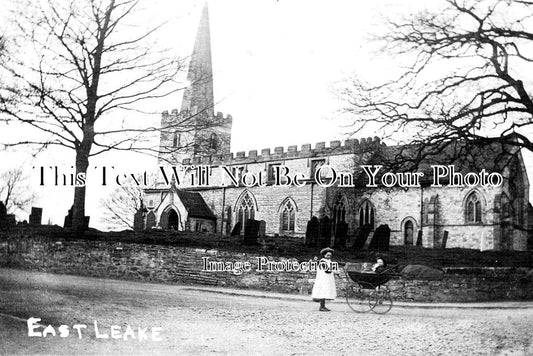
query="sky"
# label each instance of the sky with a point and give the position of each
(277, 64)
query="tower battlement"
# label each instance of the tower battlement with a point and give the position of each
(165, 115)
(279, 153)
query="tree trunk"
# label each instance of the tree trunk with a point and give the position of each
(78, 206)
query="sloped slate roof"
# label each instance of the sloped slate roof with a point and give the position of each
(195, 205)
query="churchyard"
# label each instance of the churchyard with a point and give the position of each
(280, 246)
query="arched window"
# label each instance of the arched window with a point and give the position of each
(473, 208)
(339, 211)
(366, 214)
(245, 210)
(176, 140)
(516, 193)
(287, 216)
(213, 141)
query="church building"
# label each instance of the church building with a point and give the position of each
(286, 187)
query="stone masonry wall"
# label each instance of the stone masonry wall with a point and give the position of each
(171, 264)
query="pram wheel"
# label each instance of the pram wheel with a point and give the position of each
(357, 297)
(380, 301)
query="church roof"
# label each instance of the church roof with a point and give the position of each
(195, 205)
(465, 157)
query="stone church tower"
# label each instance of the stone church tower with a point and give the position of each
(195, 130)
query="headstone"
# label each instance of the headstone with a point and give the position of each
(138, 220)
(236, 229)
(68, 219)
(445, 239)
(341, 232)
(361, 238)
(368, 240)
(381, 239)
(3, 215)
(325, 232)
(312, 233)
(419, 238)
(11, 220)
(251, 231)
(86, 220)
(36, 216)
(262, 228)
(150, 220)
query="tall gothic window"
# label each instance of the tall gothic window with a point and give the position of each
(288, 216)
(516, 192)
(176, 140)
(213, 141)
(339, 211)
(473, 209)
(366, 214)
(245, 210)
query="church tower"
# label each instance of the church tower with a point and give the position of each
(195, 130)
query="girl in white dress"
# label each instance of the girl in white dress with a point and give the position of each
(324, 288)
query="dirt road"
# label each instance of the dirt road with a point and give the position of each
(192, 322)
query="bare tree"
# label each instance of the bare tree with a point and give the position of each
(2, 45)
(81, 69)
(120, 206)
(15, 191)
(465, 81)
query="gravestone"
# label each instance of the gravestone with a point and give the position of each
(445, 239)
(86, 220)
(251, 231)
(236, 229)
(11, 220)
(419, 238)
(312, 233)
(341, 233)
(381, 239)
(3, 215)
(150, 220)
(262, 228)
(36, 216)
(68, 219)
(361, 238)
(368, 240)
(325, 232)
(138, 220)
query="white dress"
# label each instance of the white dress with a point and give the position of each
(324, 287)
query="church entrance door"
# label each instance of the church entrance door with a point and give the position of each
(173, 220)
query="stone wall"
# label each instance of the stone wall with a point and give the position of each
(172, 264)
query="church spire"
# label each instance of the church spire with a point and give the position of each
(204, 133)
(199, 95)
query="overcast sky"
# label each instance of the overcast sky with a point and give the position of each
(276, 64)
